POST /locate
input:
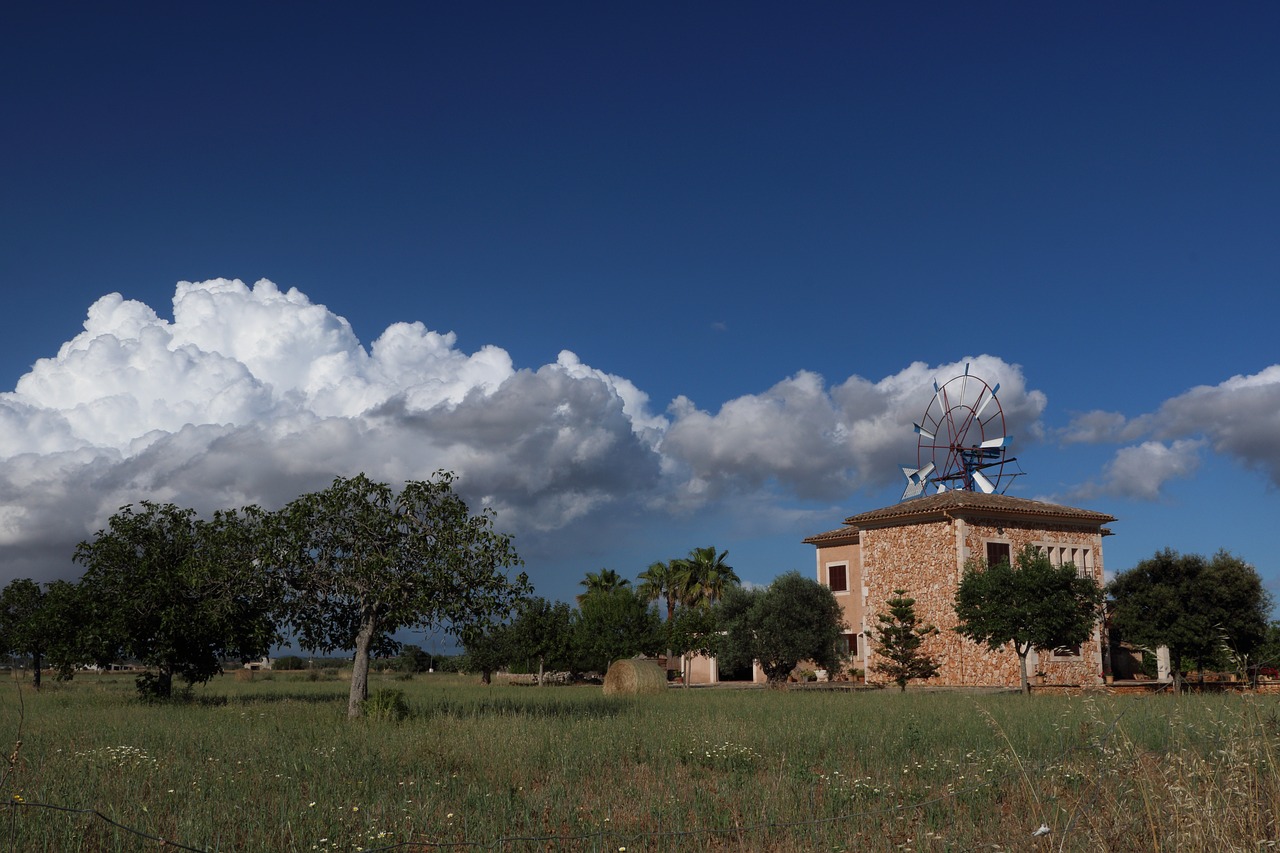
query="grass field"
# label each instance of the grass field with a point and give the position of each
(273, 765)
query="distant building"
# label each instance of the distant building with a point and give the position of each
(921, 546)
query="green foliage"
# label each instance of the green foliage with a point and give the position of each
(702, 578)
(605, 580)
(362, 561)
(1267, 654)
(795, 619)
(177, 593)
(287, 663)
(693, 631)
(386, 705)
(487, 650)
(614, 625)
(541, 635)
(659, 581)
(1192, 605)
(1034, 605)
(32, 621)
(899, 636)
(412, 659)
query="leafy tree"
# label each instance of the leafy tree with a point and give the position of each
(693, 631)
(1192, 605)
(703, 576)
(361, 561)
(899, 638)
(412, 659)
(1034, 605)
(544, 631)
(488, 650)
(21, 628)
(659, 581)
(614, 625)
(60, 621)
(177, 593)
(795, 619)
(605, 580)
(1267, 655)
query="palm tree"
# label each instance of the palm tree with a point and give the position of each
(703, 576)
(659, 581)
(605, 580)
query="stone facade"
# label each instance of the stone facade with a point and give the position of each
(921, 546)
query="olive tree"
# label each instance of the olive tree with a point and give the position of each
(361, 561)
(795, 619)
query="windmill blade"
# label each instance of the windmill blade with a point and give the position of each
(983, 483)
(996, 442)
(917, 479)
(986, 401)
(923, 431)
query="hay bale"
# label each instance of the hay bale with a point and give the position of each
(634, 677)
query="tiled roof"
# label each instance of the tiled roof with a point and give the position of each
(960, 501)
(832, 536)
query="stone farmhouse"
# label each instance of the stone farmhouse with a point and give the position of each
(921, 546)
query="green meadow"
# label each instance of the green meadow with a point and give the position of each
(272, 764)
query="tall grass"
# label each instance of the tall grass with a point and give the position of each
(274, 765)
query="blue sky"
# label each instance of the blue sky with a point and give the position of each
(699, 263)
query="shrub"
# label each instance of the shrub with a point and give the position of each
(386, 705)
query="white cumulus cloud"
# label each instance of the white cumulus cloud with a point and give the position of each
(823, 442)
(1238, 418)
(1141, 471)
(257, 394)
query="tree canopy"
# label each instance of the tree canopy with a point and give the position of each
(1033, 605)
(1197, 607)
(692, 631)
(361, 561)
(177, 593)
(543, 631)
(794, 619)
(660, 582)
(21, 628)
(702, 578)
(605, 580)
(614, 625)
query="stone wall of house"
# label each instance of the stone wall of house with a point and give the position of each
(1087, 668)
(927, 560)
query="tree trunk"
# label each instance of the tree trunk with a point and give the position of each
(540, 662)
(1022, 668)
(360, 665)
(35, 663)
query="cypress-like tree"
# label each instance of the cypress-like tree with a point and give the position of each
(899, 638)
